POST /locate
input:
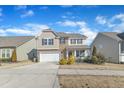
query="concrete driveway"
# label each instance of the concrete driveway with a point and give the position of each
(39, 75)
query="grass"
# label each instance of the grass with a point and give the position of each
(14, 64)
(75, 81)
(106, 66)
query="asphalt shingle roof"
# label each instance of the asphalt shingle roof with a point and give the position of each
(70, 35)
(121, 35)
(14, 41)
(113, 35)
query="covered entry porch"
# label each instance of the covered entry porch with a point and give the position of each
(78, 51)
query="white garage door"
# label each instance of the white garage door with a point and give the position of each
(49, 57)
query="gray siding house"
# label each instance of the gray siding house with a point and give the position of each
(111, 45)
(22, 44)
(46, 47)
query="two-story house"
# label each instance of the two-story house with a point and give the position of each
(49, 46)
(111, 45)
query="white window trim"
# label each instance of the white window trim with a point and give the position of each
(47, 41)
(79, 53)
(6, 52)
(69, 41)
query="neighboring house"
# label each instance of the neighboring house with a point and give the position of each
(24, 45)
(111, 45)
(49, 46)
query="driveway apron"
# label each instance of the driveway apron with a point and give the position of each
(39, 75)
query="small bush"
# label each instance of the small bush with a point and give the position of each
(87, 59)
(94, 59)
(5, 60)
(71, 60)
(14, 57)
(101, 58)
(63, 61)
(98, 59)
(94, 51)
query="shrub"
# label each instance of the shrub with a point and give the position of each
(101, 58)
(87, 59)
(5, 60)
(14, 57)
(94, 60)
(71, 59)
(63, 61)
(94, 51)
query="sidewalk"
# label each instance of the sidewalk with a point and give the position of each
(90, 72)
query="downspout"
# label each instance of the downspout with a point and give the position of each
(119, 51)
(36, 38)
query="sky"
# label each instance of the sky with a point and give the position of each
(88, 20)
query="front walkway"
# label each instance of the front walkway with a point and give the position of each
(90, 72)
(39, 75)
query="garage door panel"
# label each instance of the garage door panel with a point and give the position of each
(51, 57)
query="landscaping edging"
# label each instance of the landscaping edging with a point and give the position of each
(90, 72)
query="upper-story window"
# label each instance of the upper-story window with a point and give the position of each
(50, 41)
(73, 41)
(76, 41)
(62, 40)
(47, 41)
(79, 41)
(44, 41)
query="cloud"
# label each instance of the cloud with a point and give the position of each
(27, 29)
(64, 16)
(91, 34)
(118, 26)
(82, 28)
(27, 14)
(101, 20)
(104, 21)
(67, 23)
(71, 23)
(36, 27)
(19, 31)
(24, 11)
(2, 32)
(118, 16)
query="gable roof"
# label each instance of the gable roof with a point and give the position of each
(113, 35)
(14, 41)
(121, 35)
(70, 35)
(66, 35)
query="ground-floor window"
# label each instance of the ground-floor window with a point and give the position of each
(6, 53)
(80, 53)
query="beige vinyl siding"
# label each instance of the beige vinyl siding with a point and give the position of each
(49, 35)
(107, 46)
(62, 46)
(26, 49)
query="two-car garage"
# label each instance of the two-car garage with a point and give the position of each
(49, 56)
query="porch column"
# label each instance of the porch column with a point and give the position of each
(75, 53)
(85, 53)
(119, 53)
(67, 53)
